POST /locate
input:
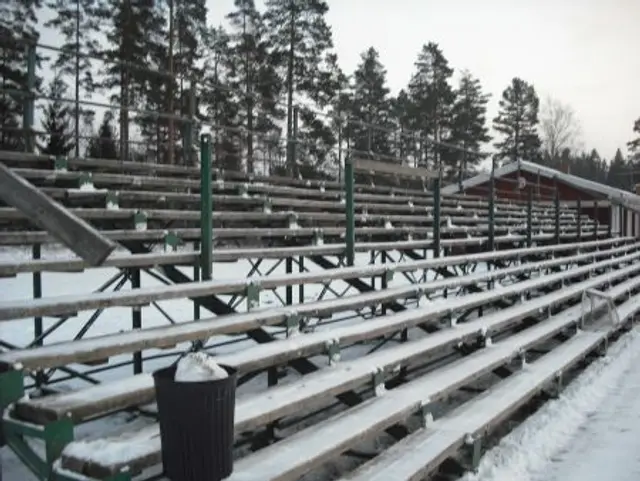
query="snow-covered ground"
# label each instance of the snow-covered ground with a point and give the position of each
(590, 433)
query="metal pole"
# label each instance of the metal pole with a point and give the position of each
(436, 216)
(206, 208)
(37, 321)
(28, 112)
(557, 208)
(492, 209)
(136, 320)
(579, 223)
(595, 220)
(529, 217)
(350, 237)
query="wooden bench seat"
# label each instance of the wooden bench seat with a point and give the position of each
(421, 453)
(157, 183)
(123, 261)
(85, 350)
(257, 410)
(282, 461)
(113, 396)
(136, 198)
(19, 309)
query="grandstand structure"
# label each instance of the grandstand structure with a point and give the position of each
(411, 323)
(384, 326)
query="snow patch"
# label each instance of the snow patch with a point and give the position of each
(198, 367)
(530, 448)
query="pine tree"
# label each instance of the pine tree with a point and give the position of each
(57, 121)
(404, 144)
(219, 103)
(18, 26)
(432, 99)
(134, 29)
(103, 145)
(469, 129)
(634, 145)
(255, 76)
(517, 121)
(370, 106)
(618, 175)
(301, 43)
(76, 21)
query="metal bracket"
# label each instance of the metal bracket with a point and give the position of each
(333, 351)
(592, 295)
(293, 321)
(61, 164)
(378, 378)
(112, 200)
(140, 220)
(293, 220)
(85, 181)
(253, 295)
(172, 241)
(388, 275)
(426, 415)
(473, 451)
(318, 237)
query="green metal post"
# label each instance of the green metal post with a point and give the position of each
(37, 321)
(595, 220)
(289, 289)
(579, 222)
(529, 217)
(196, 278)
(301, 285)
(349, 210)
(492, 212)
(557, 223)
(206, 208)
(436, 217)
(136, 320)
(29, 101)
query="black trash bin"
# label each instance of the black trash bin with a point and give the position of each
(196, 425)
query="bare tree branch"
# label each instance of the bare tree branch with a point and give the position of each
(560, 127)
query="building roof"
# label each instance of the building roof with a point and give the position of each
(613, 194)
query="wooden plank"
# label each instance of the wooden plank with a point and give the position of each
(100, 400)
(61, 305)
(77, 235)
(392, 168)
(254, 410)
(320, 443)
(125, 182)
(149, 235)
(419, 454)
(122, 261)
(85, 350)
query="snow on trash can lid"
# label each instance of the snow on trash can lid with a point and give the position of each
(198, 367)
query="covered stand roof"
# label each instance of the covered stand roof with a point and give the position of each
(615, 195)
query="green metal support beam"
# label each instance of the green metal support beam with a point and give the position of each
(206, 209)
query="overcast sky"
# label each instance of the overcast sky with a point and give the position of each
(582, 52)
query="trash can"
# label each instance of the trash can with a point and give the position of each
(196, 425)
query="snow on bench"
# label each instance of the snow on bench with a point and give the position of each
(102, 399)
(16, 309)
(422, 452)
(99, 400)
(123, 261)
(258, 410)
(282, 461)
